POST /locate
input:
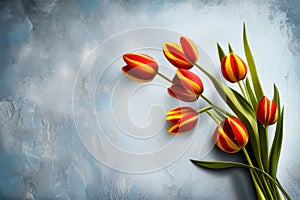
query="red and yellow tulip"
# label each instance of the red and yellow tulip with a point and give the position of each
(182, 119)
(266, 111)
(233, 68)
(182, 56)
(186, 86)
(140, 67)
(231, 135)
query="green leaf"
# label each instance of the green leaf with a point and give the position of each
(277, 142)
(242, 109)
(276, 98)
(251, 93)
(254, 76)
(230, 48)
(219, 164)
(220, 52)
(264, 145)
(225, 165)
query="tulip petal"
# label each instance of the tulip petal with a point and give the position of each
(242, 70)
(186, 123)
(182, 119)
(182, 94)
(190, 81)
(175, 55)
(141, 61)
(177, 112)
(137, 59)
(273, 113)
(135, 75)
(239, 130)
(189, 49)
(224, 142)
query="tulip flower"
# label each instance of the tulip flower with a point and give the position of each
(231, 135)
(186, 86)
(140, 67)
(266, 111)
(233, 68)
(182, 119)
(182, 57)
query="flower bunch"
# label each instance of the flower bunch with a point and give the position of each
(243, 128)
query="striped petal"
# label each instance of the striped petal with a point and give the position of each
(266, 111)
(189, 49)
(140, 67)
(231, 135)
(178, 112)
(239, 131)
(233, 68)
(175, 55)
(182, 119)
(190, 81)
(139, 59)
(136, 75)
(224, 142)
(182, 94)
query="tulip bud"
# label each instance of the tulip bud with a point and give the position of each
(184, 56)
(140, 67)
(231, 135)
(186, 86)
(266, 111)
(189, 49)
(182, 119)
(233, 68)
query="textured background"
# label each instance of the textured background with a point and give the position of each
(42, 45)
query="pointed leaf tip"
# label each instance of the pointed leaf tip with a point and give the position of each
(230, 48)
(220, 52)
(252, 67)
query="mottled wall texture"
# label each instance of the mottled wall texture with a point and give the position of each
(44, 44)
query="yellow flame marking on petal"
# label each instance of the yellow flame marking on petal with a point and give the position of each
(136, 79)
(193, 84)
(189, 120)
(229, 142)
(171, 56)
(241, 130)
(228, 69)
(143, 65)
(172, 127)
(241, 66)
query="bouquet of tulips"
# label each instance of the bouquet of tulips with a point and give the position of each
(244, 128)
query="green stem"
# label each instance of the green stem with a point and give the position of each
(248, 95)
(261, 171)
(215, 106)
(242, 89)
(204, 109)
(218, 121)
(265, 148)
(164, 77)
(254, 176)
(276, 182)
(265, 158)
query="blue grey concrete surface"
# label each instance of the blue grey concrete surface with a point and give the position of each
(44, 43)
